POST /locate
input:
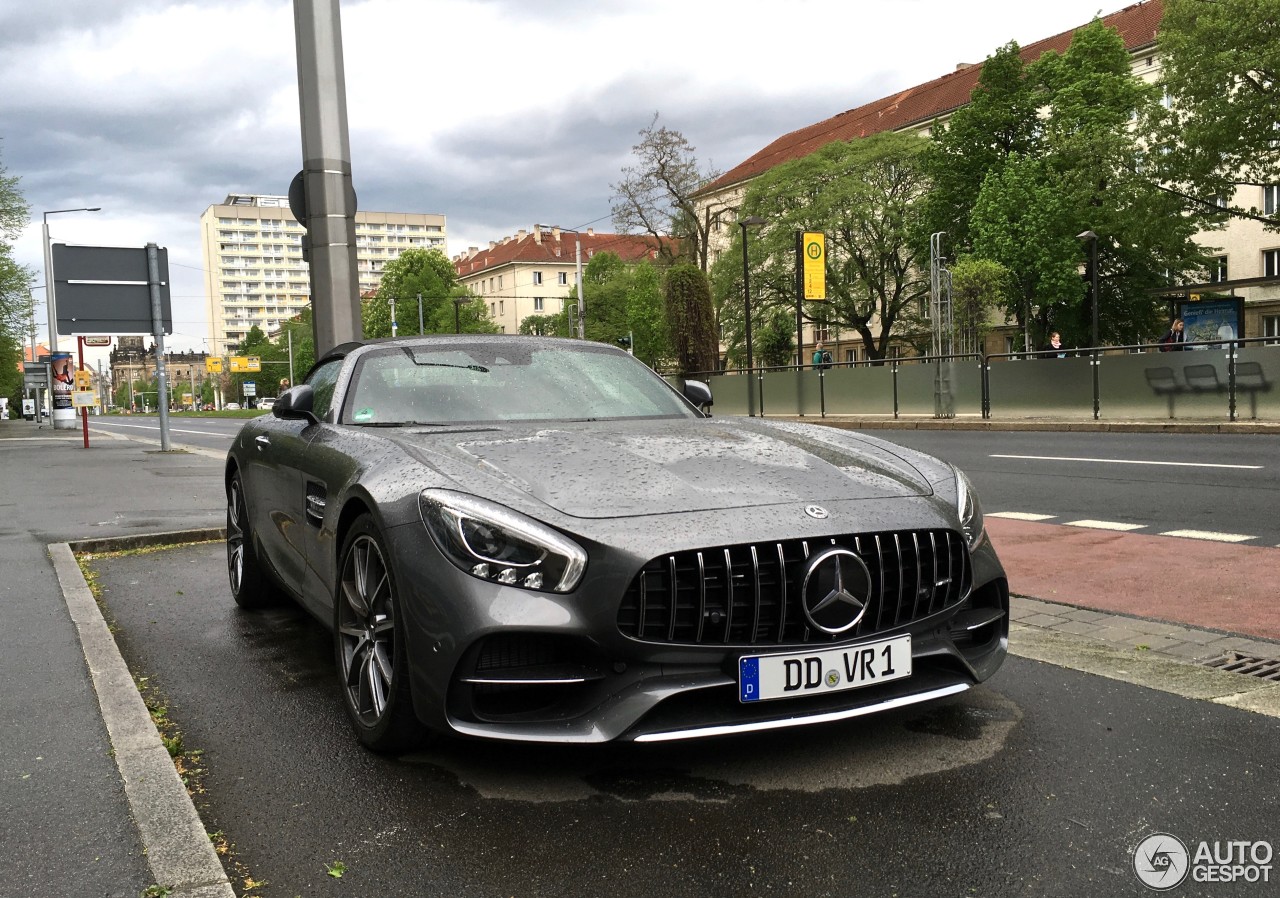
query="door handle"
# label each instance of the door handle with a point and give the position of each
(262, 441)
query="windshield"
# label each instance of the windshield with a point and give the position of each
(504, 381)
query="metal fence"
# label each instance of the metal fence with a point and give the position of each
(1220, 379)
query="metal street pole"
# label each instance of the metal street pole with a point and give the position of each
(393, 316)
(421, 329)
(1093, 298)
(746, 305)
(330, 198)
(577, 258)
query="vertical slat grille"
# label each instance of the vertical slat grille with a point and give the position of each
(751, 594)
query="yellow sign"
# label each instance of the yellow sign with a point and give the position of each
(814, 247)
(213, 365)
(84, 380)
(241, 363)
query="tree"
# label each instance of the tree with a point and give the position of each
(776, 342)
(655, 195)
(15, 283)
(691, 319)
(427, 273)
(865, 196)
(979, 287)
(1084, 171)
(1221, 77)
(999, 120)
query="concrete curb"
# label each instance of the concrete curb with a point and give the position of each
(1148, 669)
(178, 849)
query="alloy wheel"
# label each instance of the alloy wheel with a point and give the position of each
(366, 630)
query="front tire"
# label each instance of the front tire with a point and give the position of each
(250, 586)
(369, 645)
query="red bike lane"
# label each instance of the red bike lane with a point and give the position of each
(1200, 583)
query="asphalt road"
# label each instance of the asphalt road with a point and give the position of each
(1221, 483)
(1039, 783)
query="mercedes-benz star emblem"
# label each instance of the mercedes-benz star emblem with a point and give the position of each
(837, 588)
(815, 511)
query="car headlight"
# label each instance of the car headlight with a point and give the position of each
(975, 531)
(492, 542)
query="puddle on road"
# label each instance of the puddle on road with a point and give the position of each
(872, 751)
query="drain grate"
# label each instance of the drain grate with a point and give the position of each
(1263, 668)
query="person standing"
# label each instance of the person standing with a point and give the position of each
(821, 357)
(1055, 346)
(1175, 338)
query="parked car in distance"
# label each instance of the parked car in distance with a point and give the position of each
(266, 402)
(541, 540)
(232, 407)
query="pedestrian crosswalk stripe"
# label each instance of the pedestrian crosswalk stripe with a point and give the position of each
(1210, 535)
(1021, 516)
(1105, 525)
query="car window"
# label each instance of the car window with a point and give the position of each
(505, 382)
(322, 381)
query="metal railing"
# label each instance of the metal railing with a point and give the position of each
(1212, 379)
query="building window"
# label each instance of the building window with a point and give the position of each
(537, 278)
(1218, 270)
(821, 333)
(537, 304)
(1271, 199)
(500, 307)
(493, 309)
(563, 278)
(851, 355)
(499, 282)
(1271, 328)
(1271, 263)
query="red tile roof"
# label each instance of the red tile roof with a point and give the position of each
(545, 246)
(920, 104)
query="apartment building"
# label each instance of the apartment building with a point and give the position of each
(534, 272)
(1246, 250)
(254, 272)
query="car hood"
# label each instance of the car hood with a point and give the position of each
(633, 468)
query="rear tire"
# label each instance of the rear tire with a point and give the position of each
(369, 645)
(251, 587)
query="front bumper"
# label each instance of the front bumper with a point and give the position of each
(500, 662)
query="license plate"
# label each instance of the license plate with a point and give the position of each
(765, 677)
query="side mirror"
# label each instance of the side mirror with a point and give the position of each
(699, 394)
(296, 404)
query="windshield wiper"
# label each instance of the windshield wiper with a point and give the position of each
(481, 368)
(401, 424)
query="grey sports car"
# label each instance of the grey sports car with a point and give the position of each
(538, 539)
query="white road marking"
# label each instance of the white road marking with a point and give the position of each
(1105, 525)
(1209, 534)
(1130, 461)
(204, 433)
(1117, 526)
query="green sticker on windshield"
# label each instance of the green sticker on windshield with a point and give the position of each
(364, 414)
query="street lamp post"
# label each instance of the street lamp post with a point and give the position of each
(1092, 239)
(66, 421)
(458, 302)
(577, 259)
(744, 223)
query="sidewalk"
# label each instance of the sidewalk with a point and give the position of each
(69, 828)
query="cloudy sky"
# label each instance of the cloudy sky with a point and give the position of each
(495, 113)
